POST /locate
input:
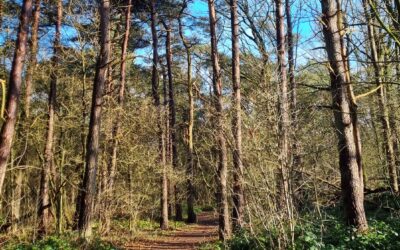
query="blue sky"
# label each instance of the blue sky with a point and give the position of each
(199, 8)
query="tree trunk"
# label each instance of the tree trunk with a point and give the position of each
(112, 166)
(32, 58)
(88, 187)
(345, 114)
(383, 110)
(192, 217)
(295, 164)
(172, 118)
(167, 142)
(283, 181)
(238, 194)
(14, 89)
(222, 171)
(162, 137)
(24, 127)
(44, 203)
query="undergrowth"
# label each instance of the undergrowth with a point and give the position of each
(330, 233)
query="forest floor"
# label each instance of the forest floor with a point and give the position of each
(187, 237)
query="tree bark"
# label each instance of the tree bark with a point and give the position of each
(88, 187)
(32, 57)
(283, 176)
(44, 203)
(345, 114)
(295, 144)
(283, 107)
(161, 135)
(24, 127)
(112, 165)
(222, 171)
(172, 118)
(383, 110)
(14, 89)
(192, 217)
(238, 193)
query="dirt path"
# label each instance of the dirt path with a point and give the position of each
(186, 238)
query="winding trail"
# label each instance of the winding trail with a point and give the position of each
(186, 238)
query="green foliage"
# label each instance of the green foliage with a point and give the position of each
(335, 235)
(64, 243)
(98, 244)
(49, 243)
(332, 234)
(243, 240)
(147, 225)
(213, 246)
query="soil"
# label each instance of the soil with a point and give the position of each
(189, 237)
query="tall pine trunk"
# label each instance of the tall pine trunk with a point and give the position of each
(14, 89)
(238, 194)
(24, 127)
(192, 217)
(172, 118)
(88, 187)
(222, 169)
(112, 166)
(345, 115)
(161, 135)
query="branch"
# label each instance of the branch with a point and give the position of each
(369, 92)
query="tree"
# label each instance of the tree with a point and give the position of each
(46, 174)
(112, 166)
(32, 57)
(161, 134)
(383, 110)
(14, 89)
(284, 193)
(88, 187)
(238, 194)
(192, 217)
(172, 117)
(345, 115)
(222, 171)
(295, 146)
